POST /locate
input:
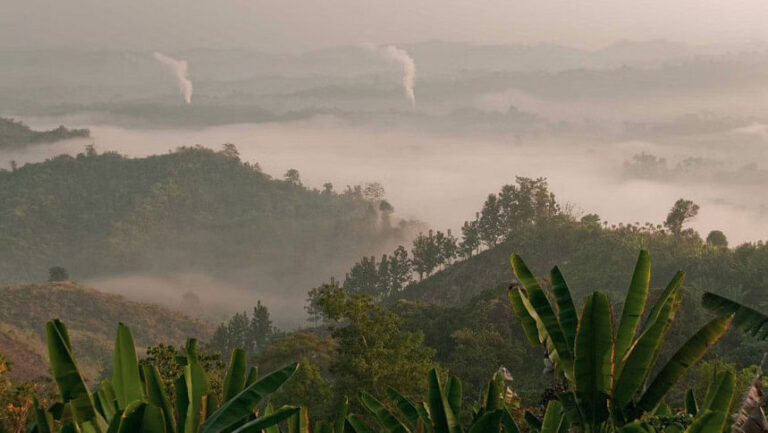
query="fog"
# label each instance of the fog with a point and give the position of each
(624, 107)
(444, 180)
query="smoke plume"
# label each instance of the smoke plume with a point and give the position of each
(409, 68)
(179, 68)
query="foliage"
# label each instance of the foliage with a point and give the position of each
(17, 134)
(372, 353)
(717, 238)
(190, 210)
(250, 334)
(16, 400)
(90, 314)
(134, 400)
(165, 359)
(682, 211)
(57, 274)
(608, 371)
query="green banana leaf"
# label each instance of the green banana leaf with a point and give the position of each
(640, 356)
(634, 305)
(708, 422)
(443, 418)
(406, 408)
(126, 381)
(566, 310)
(538, 306)
(489, 422)
(594, 358)
(719, 397)
(268, 421)
(243, 404)
(553, 417)
(691, 407)
(748, 320)
(156, 396)
(381, 414)
(528, 323)
(69, 381)
(683, 359)
(234, 381)
(341, 415)
(453, 394)
(358, 425)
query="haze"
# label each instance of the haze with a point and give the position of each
(624, 106)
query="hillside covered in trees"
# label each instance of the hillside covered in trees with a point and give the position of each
(447, 295)
(90, 315)
(14, 134)
(191, 210)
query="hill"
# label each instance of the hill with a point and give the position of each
(16, 134)
(189, 211)
(90, 316)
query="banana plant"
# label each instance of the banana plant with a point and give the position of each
(134, 400)
(439, 414)
(607, 367)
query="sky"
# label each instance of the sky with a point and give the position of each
(308, 24)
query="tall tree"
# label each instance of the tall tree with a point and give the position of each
(682, 211)
(490, 225)
(363, 278)
(373, 352)
(470, 238)
(252, 334)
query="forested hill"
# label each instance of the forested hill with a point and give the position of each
(525, 218)
(191, 210)
(596, 256)
(14, 134)
(90, 317)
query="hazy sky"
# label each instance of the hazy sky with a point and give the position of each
(292, 24)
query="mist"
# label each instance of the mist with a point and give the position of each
(444, 180)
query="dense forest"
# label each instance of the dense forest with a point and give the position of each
(15, 134)
(440, 307)
(190, 210)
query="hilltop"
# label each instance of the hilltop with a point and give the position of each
(15, 134)
(90, 316)
(193, 210)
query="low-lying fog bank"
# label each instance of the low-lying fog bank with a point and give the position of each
(444, 181)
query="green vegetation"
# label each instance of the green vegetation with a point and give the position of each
(191, 210)
(17, 134)
(608, 372)
(25, 308)
(604, 371)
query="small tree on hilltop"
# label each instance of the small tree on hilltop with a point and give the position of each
(682, 211)
(57, 273)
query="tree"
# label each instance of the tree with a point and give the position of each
(470, 238)
(399, 270)
(447, 248)
(490, 225)
(426, 254)
(682, 211)
(292, 176)
(308, 388)
(373, 352)
(373, 191)
(327, 188)
(166, 359)
(57, 273)
(716, 238)
(230, 151)
(250, 334)
(363, 278)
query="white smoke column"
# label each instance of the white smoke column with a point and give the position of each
(409, 68)
(179, 68)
